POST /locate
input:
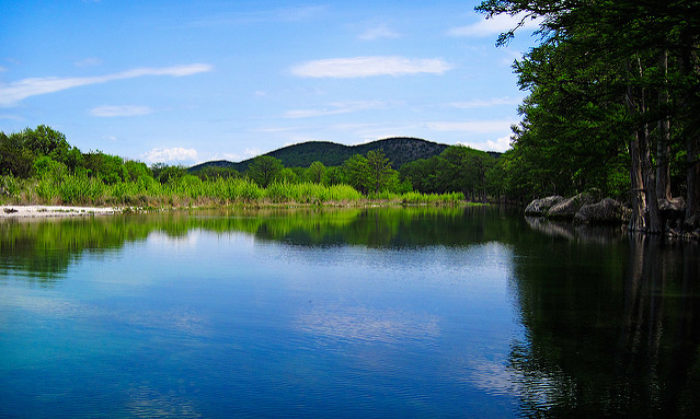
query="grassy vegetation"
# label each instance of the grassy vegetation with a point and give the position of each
(188, 191)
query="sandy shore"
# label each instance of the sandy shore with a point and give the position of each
(50, 211)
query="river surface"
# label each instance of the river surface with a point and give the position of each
(344, 313)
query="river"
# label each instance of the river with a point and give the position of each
(344, 313)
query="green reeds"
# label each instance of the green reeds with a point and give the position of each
(192, 191)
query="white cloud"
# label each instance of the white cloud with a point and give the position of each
(500, 144)
(336, 108)
(479, 103)
(369, 66)
(378, 32)
(495, 25)
(124, 110)
(473, 126)
(88, 62)
(170, 155)
(12, 93)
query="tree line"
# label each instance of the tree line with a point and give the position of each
(613, 103)
(44, 152)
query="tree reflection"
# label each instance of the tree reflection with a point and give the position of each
(611, 329)
(43, 250)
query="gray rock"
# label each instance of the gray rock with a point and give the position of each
(568, 208)
(673, 206)
(539, 207)
(607, 211)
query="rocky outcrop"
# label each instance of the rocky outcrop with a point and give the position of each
(607, 211)
(539, 207)
(567, 208)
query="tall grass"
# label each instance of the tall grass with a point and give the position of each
(192, 191)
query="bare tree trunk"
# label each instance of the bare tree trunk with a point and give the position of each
(637, 198)
(653, 222)
(653, 219)
(637, 222)
(663, 146)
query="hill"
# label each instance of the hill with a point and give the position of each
(399, 151)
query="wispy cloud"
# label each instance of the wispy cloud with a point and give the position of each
(369, 66)
(11, 117)
(495, 25)
(378, 32)
(170, 155)
(290, 14)
(13, 93)
(88, 62)
(473, 126)
(483, 103)
(336, 108)
(275, 130)
(108, 111)
(2, 69)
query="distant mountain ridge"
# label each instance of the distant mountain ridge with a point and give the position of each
(399, 150)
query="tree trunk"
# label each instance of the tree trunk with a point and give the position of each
(637, 222)
(692, 142)
(653, 219)
(663, 146)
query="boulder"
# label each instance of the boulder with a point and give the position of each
(567, 208)
(674, 207)
(607, 211)
(539, 207)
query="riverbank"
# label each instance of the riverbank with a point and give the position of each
(63, 211)
(53, 211)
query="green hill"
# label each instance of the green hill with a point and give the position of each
(398, 150)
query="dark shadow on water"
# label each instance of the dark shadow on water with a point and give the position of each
(613, 324)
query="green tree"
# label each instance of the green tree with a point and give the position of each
(45, 166)
(170, 174)
(316, 171)
(264, 169)
(333, 176)
(137, 170)
(287, 175)
(611, 77)
(357, 174)
(379, 170)
(15, 159)
(44, 141)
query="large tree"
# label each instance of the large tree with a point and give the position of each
(611, 75)
(264, 169)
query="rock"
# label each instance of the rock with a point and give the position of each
(607, 211)
(539, 207)
(568, 208)
(672, 208)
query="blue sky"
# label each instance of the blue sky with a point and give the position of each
(186, 82)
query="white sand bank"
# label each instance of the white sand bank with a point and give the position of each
(49, 211)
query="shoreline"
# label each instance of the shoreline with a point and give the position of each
(53, 211)
(24, 212)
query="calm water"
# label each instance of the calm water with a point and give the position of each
(352, 313)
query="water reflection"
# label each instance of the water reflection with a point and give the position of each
(43, 250)
(402, 308)
(611, 329)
